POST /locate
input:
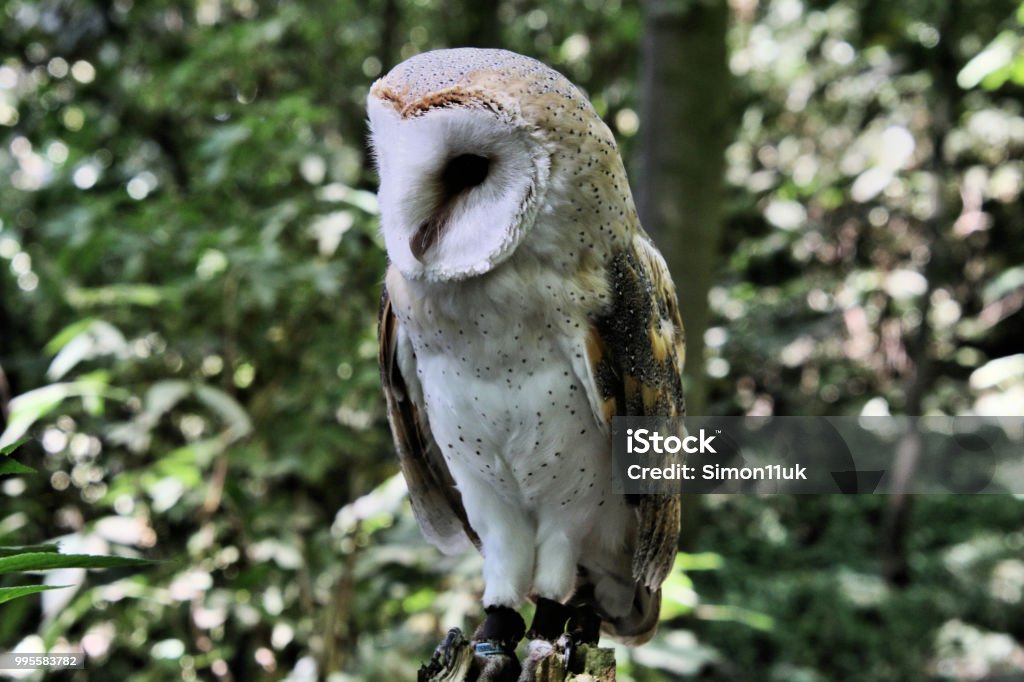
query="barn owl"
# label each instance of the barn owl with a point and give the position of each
(523, 307)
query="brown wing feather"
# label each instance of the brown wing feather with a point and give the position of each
(436, 502)
(636, 351)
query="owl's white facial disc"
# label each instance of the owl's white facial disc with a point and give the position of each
(459, 187)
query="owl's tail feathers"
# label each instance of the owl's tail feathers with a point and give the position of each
(639, 624)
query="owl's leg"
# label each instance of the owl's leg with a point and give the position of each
(585, 623)
(506, 535)
(494, 645)
(553, 580)
(548, 620)
(503, 626)
(549, 637)
(583, 631)
(558, 553)
(557, 556)
(562, 630)
(578, 619)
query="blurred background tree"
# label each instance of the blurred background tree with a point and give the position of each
(188, 306)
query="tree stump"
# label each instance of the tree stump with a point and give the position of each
(598, 665)
(453, 662)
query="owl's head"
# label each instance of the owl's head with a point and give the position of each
(462, 156)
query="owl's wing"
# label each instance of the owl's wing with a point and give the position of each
(436, 503)
(635, 353)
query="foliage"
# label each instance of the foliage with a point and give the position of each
(873, 256)
(187, 326)
(877, 221)
(28, 558)
(1000, 62)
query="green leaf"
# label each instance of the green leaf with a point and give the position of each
(227, 408)
(145, 295)
(738, 614)
(223, 140)
(69, 332)
(25, 549)
(361, 199)
(9, 593)
(28, 407)
(1002, 284)
(990, 63)
(164, 395)
(9, 466)
(96, 339)
(11, 447)
(33, 405)
(44, 561)
(702, 561)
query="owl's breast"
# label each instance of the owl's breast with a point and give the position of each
(507, 410)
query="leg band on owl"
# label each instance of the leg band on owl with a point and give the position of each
(549, 620)
(503, 626)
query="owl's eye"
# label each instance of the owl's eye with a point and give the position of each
(460, 173)
(464, 172)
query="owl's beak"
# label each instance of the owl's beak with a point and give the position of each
(428, 233)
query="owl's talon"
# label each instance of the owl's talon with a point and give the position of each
(585, 624)
(569, 646)
(451, 662)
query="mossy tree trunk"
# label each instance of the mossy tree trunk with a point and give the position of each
(686, 124)
(685, 127)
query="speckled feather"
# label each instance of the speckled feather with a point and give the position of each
(503, 362)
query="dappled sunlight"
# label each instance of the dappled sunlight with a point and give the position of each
(190, 271)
